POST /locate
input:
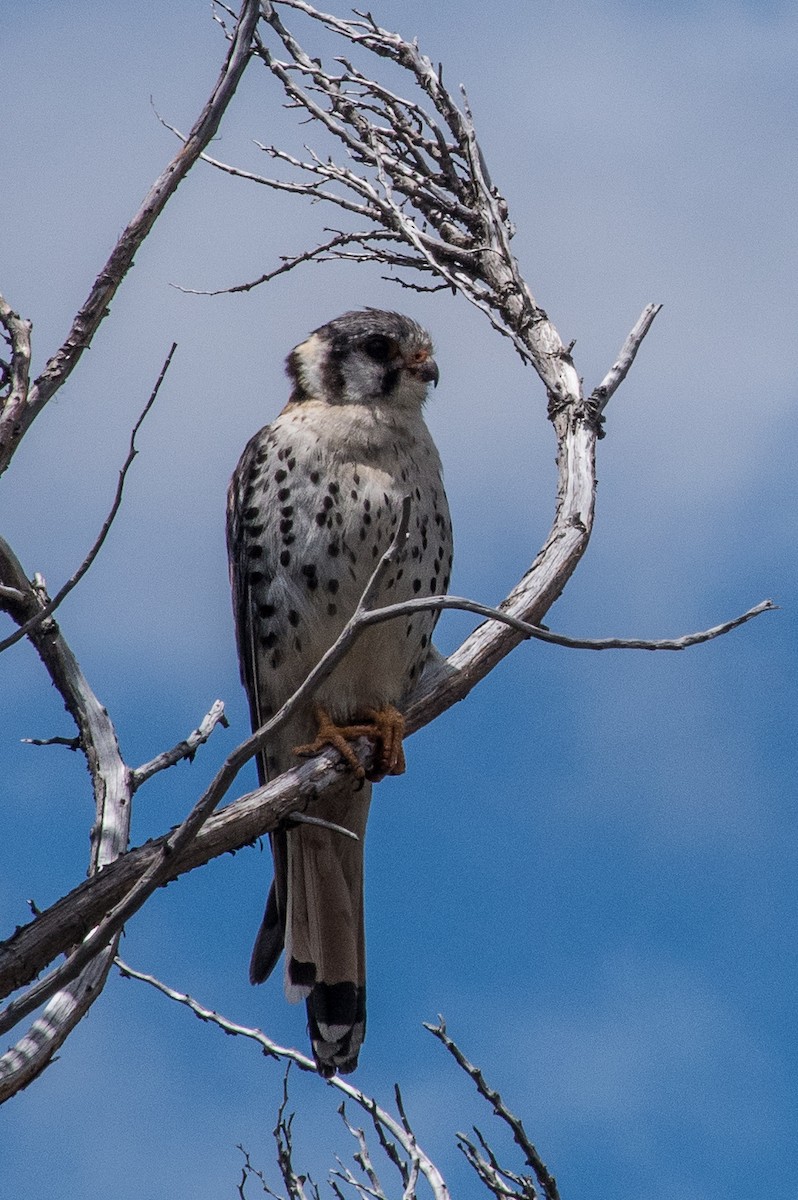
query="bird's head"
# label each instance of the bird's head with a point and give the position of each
(363, 358)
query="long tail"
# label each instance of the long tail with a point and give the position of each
(315, 907)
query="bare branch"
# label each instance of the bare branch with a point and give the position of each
(17, 417)
(15, 374)
(542, 634)
(183, 750)
(271, 1048)
(317, 254)
(70, 743)
(124, 886)
(110, 831)
(601, 395)
(161, 869)
(47, 609)
(544, 1178)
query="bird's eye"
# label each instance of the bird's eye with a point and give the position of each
(378, 347)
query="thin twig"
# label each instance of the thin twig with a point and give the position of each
(49, 608)
(520, 1136)
(72, 743)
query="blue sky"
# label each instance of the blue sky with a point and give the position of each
(589, 867)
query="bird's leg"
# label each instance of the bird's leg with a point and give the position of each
(385, 727)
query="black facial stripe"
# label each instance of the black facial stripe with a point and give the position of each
(389, 380)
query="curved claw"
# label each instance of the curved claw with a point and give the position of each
(385, 728)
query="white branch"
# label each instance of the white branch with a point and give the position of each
(287, 1054)
(183, 750)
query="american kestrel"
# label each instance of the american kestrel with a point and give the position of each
(314, 502)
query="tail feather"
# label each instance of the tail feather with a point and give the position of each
(321, 921)
(337, 1026)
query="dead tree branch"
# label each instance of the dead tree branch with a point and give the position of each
(71, 993)
(124, 887)
(111, 783)
(396, 1138)
(390, 1126)
(183, 751)
(413, 178)
(22, 404)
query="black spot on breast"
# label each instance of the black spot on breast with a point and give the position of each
(249, 513)
(256, 551)
(276, 659)
(288, 511)
(321, 518)
(268, 640)
(314, 477)
(280, 475)
(293, 617)
(332, 586)
(285, 558)
(332, 609)
(333, 549)
(416, 585)
(424, 641)
(266, 610)
(283, 494)
(286, 525)
(256, 577)
(433, 585)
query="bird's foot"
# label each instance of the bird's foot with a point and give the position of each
(385, 727)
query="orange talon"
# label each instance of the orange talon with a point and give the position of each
(385, 727)
(389, 727)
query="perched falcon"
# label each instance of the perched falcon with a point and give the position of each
(313, 504)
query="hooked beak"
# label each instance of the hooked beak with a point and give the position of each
(426, 368)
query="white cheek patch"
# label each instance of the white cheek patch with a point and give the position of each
(311, 356)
